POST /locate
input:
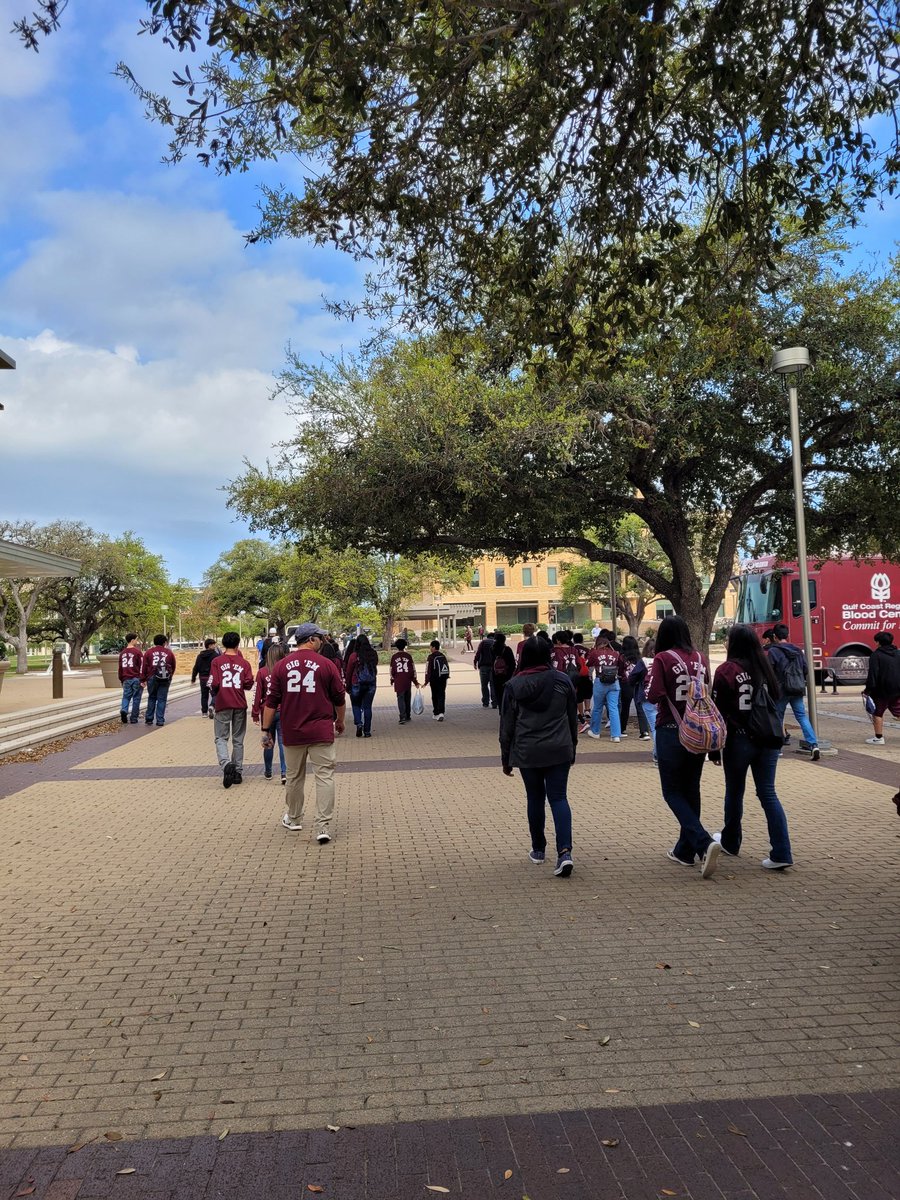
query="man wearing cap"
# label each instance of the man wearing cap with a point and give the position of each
(308, 690)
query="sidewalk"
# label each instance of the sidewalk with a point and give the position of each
(177, 965)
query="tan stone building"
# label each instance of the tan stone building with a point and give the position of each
(503, 594)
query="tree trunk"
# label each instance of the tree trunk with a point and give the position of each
(77, 645)
(387, 636)
(22, 647)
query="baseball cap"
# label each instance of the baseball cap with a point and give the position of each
(308, 630)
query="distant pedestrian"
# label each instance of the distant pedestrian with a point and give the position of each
(883, 684)
(608, 668)
(527, 632)
(595, 631)
(504, 667)
(637, 677)
(361, 679)
(230, 678)
(403, 678)
(307, 691)
(483, 662)
(202, 666)
(632, 655)
(480, 632)
(275, 655)
(267, 642)
(469, 648)
(157, 670)
(676, 665)
(437, 674)
(539, 735)
(584, 689)
(131, 662)
(791, 671)
(564, 655)
(746, 669)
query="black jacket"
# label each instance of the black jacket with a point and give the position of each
(538, 725)
(203, 662)
(883, 679)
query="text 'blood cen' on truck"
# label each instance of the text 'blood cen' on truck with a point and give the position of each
(849, 602)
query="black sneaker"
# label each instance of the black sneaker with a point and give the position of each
(228, 775)
(124, 716)
(359, 731)
(267, 774)
(238, 777)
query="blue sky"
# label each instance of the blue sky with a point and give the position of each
(146, 332)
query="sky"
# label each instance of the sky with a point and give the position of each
(146, 332)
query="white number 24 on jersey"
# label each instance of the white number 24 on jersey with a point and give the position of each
(297, 681)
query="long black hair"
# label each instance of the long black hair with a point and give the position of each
(630, 651)
(745, 648)
(364, 651)
(673, 634)
(535, 653)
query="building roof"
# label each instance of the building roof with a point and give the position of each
(24, 562)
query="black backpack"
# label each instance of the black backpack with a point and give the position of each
(764, 727)
(791, 674)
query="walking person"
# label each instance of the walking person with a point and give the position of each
(675, 665)
(468, 648)
(584, 688)
(403, 677)
(230, 679)
(637, 677)
(608, 668)
(539, 735)
(157, 669)
(791, 671)
(131, 662)
(483, 662)
(437, 673)
(361, 678)
(632, 656)
(527, 632)
(307, 691)
(503, 669)
(202, 667)
(275, 655)
(746, 669)
(883, 684)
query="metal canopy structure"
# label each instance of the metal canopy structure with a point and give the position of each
(24, 562)
(6, 363)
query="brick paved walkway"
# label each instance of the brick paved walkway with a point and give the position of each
(175, 964)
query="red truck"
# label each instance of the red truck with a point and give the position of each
(849, 602)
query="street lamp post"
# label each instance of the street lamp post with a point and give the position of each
(790, 364)
(165, 609)
(241, 616)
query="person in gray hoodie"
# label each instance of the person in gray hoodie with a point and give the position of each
(539, 735)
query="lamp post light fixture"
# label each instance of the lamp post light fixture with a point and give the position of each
(165, 609)
(790, 364)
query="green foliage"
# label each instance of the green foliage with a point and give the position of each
(107, 644)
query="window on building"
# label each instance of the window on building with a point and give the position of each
(664, 610)
(552, 576)
(500, 576)
(476, 577)
(565, 614)
(527, 580)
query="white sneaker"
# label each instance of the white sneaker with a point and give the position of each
(875, 741)
(710, 860)
(440, 716)
(771, 865)
(618, 739)
(435, 717)
(293, 826)
(624, 735)
(592, 734)
(323, 837)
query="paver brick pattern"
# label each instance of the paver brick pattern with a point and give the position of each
(174, 962)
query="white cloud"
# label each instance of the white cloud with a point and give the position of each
(24, 74)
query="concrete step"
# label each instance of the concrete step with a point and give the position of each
(21, 730)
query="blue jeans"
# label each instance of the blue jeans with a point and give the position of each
(548, 785)
(361, 697)
(157, 695)
(608, 694)
(131, 695)
(649, 711)
(487, 685)
(679, 778)
(798, 708)
(269, 754)
(739, 756)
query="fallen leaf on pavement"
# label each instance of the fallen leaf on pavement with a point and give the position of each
(23, 1058)
(161, 1075)
(127, 1171)
(314, 1187)
(436, 1187)
(563, 1171)
(559, 1018)
(113, 1135)
(609, 1141)
(668, 1192)
(734, 1129)
(611, 1091)
(604, 1041)
(357, 1001)
(224, 1134)
(507, 1174)
(485, 1010)
(483, 1062)
(581, 1025)
(26, 1192)
(663, 967)
(694, 1024)
(333, 1128)
(76, 1146)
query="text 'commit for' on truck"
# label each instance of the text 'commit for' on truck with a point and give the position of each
(849, 602)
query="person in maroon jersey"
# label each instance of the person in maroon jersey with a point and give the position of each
(307, 691)
(403, 677)
(527, 632)
(746, 668)
(675, 665)
(131, 662)
(275, 655)
(584, 689)
(230, 679)
(157, 669)
(608, 667)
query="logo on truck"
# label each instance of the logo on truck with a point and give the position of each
(881, 587)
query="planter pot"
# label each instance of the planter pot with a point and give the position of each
(109, 665)
(4, 666)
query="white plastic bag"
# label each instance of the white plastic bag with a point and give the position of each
(418, 704)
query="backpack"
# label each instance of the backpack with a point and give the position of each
(573, 666)
(440, 666)
(501, 666)
(365, 673)
(792, 676)
(609, 673)
(702, 728)
(764, 726)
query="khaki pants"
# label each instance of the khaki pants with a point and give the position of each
(322, 758)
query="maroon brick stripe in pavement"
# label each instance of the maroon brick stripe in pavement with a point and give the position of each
(813, 1147)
